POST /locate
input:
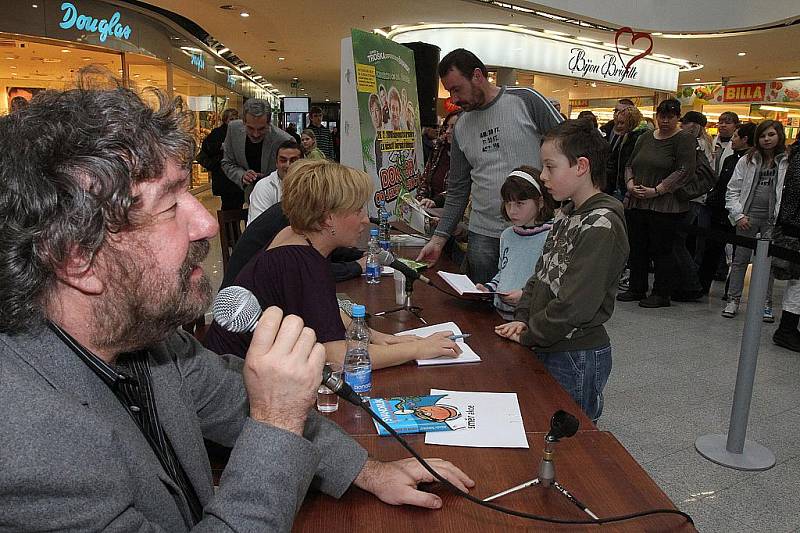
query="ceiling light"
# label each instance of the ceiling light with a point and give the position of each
(656, 33)
(86, 58)
(781, 78)
(697, 79)
(246, 68)
(268, 84)
(741, 54)
(258, 77)
(12, 66)
(774, 108)
(34, 6)
(223, 50)
(10, 57)
(65, 50)
(244, 14)
(327, 99)
(281, 59)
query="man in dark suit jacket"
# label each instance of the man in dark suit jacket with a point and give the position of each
(251, 146)
(210, 156)
(104, 401)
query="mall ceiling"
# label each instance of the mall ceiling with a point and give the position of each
(307, 35)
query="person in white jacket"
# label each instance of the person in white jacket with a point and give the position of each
(753, 200)
(268, 190)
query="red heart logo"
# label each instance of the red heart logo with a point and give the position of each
(635, 36)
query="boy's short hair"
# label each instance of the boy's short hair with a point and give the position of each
(747, 130)
(516, 189)
(579, 138)
(312, 189)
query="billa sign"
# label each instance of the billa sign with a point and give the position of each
(744, 92)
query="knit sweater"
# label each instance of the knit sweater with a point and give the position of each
(488, 143)
(571, 295)
(519, 253)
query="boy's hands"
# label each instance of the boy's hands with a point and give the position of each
(511, 330)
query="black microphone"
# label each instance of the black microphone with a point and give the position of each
(386, 258)
(237, 310)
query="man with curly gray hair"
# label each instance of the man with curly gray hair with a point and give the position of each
(104, 400)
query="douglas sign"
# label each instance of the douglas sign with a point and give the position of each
(90, 24)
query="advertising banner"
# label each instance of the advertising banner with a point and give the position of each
(383, 79)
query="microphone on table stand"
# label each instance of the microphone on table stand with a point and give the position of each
(562, 425)
(237, 310)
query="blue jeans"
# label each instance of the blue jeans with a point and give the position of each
(583, 374)
(483, 254)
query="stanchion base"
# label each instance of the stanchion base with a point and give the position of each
(753, 457)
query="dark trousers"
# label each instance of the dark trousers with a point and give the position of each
(686, 276)
(713, 254)
(651, 235)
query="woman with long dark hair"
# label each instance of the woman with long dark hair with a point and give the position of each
(433, 187)
(753, 201)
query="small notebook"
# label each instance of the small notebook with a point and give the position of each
(461, 283)
(467, 354)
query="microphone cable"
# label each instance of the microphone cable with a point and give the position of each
(364, 405)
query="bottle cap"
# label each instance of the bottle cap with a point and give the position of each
(359, 311)
(373, 232)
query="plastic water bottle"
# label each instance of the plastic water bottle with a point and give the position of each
(384, 235)
(373, 265)
(357, 364)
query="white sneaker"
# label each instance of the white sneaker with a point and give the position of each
(731, 309)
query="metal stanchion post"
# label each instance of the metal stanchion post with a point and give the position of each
(734, 450)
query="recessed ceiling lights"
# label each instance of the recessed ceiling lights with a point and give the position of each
(244, 14)
(281, 59)
(741, 54)
(223, 50)
(12, 66)
(86, 58)
(327, 99)
(246, 68)
(697, 79)
(34, 6)
(65, 50)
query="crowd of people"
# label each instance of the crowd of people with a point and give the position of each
(101, 262)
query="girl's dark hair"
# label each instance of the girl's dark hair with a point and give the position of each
(760, 129)
(747, 130)
(516, 189)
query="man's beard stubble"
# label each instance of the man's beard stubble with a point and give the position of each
(144, 307)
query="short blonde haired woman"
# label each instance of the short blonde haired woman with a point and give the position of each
(308, 140)
(324, 203)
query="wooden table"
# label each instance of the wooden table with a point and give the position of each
(593, 465)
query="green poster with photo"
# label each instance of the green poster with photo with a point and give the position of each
(388, 114)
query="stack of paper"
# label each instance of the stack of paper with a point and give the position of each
(467, 355)
(493, 420)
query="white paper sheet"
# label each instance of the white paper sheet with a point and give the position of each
(493, 421)
(460, 283)
(467, 355)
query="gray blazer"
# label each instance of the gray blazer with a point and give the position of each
(234, 163)
(72, 459)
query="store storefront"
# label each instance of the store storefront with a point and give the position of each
(44, 43)
(752, 101)
(582, 74)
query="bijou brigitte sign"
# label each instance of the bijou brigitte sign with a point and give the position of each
(505, 48)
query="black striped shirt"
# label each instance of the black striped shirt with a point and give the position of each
(131, 384)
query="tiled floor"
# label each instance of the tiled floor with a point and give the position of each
(673, 379)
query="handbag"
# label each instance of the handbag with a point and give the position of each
(702, 181)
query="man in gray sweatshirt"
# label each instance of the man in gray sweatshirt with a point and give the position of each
(501, 129)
